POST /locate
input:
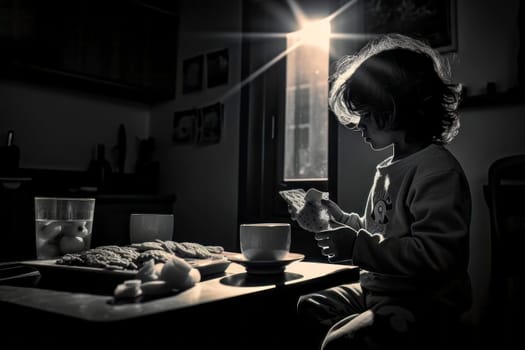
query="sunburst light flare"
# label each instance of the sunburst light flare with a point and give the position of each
(312, 32)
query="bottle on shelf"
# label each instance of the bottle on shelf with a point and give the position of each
(100, 169)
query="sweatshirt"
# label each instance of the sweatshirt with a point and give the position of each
(414, 234)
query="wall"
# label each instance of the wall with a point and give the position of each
(487, 51)
(204, 178)
(486, 135)
(58, 129)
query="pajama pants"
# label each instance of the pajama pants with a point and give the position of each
(351, 317)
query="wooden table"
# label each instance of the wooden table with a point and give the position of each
(232, 310)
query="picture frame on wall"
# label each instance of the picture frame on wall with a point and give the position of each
(192, 74)
(433, 21)
(185, 127)
(217, 64)
(210, 124)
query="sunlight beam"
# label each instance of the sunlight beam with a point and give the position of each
(259, 71)
(311, 36)
(352, 36)
(297, 11)
(341, 9)
(237, 35)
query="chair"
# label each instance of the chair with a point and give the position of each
(505, 197)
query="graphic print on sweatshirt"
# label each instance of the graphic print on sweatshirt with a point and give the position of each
(382, 205)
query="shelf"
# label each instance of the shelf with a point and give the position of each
(120, 48)
(33, 74)
(54, 182)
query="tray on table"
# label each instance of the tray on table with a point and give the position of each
(94, 279)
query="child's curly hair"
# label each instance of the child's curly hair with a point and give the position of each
(403, 83)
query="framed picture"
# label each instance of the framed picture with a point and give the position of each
(192, 74)
(433, 21)
(184, 127)
(210, 124)
(217, 64)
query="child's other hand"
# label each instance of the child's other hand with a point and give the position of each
(337, 244)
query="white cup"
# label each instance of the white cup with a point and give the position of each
(265, 241)
(148, 227)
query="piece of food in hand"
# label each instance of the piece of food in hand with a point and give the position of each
(309, 211)
(297, 198)
(70, 244)
(75, 229)
(128, 289)
(179, 274)
(313, 217)
(294, 198)
(314, 195)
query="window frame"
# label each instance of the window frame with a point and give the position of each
(273, 145)
(262, 120)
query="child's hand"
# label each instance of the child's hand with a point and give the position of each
(337, 244)
(336, 213)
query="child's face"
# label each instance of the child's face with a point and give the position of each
(377, 138)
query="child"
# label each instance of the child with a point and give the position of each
(412, 242)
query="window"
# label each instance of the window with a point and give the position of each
(306, 111)
(286, 122)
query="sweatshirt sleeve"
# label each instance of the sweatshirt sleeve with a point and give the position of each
(440, 207)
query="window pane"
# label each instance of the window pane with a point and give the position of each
(306, 120)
